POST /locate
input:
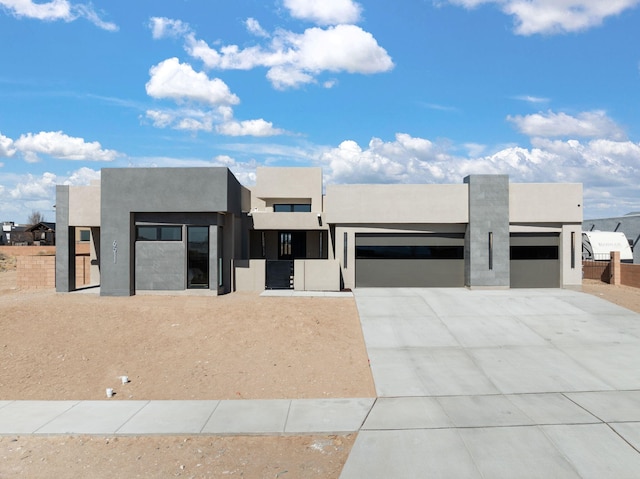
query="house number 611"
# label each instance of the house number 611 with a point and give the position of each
(115, 251)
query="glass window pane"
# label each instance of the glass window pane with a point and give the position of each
(170, 233)
(85, 235)
(282, 208)
(301, 208)
(147, 233)
(292, 208)
(409, 252)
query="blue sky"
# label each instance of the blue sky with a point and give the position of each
(417, 91)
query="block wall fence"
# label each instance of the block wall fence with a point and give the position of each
(39, 272)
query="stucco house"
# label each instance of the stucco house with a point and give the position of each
(171, 229)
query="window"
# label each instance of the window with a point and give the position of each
(292, 208)
(409, 252)
(158, 233)
(534, 252)
(85, 235)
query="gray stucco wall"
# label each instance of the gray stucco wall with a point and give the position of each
(126, 191)
(160, 265)
(629, 225)
(485, 265)
(65, 243)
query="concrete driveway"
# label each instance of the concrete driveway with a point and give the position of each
(491, 384)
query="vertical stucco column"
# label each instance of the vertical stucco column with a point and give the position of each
(117, 233)
(65, 243)
(487, 238)
(214, 254)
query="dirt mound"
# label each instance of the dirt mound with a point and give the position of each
(7, 262)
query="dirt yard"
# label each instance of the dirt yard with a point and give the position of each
(73, 346)
(625, 296)
(239, 346)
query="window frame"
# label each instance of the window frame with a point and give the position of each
(159, 236)
(292, 207)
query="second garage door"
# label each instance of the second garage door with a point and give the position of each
(409, 260)
(535, 260)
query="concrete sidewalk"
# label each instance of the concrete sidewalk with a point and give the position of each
(576, 435)
(228, 417)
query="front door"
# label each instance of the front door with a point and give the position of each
(197, 257)
(292, 245)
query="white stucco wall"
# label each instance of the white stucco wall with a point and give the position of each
(349, 204)
(545, 203)
(289, 185)
(84, 206)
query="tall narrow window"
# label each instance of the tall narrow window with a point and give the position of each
(490, 250)
(344, 259)
(197, 257)
(573, 250)
(285, 245)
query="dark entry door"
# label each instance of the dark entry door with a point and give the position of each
(197, 257)
(292, 245)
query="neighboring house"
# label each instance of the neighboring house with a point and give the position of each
(17, 235)
(42, 234)
(199, 228)
(5, 234)
(628, 224)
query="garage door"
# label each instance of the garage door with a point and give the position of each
(409, 260)
(535, 260)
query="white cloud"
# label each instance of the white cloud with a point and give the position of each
(25, 193)
(7, 148)
(325, 12)
(83, 176)
(61, 146)
(555, 16)
(600, 164)
(295, 59)
(590, 124)
(34, 187)
(254, 27)
(55, 10)
(244, 171)
(162, 27)
(532, 99)
(257, 127)
(192, 119)
(91, 15)
(475, 149)
(180, 82)
(161, 118)
(437, 107)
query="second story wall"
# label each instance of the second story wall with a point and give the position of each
(288, 186)
(84, 205)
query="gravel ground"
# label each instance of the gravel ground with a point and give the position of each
(72, 346)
